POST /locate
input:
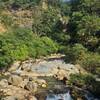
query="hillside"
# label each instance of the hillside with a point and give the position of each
(37, 29)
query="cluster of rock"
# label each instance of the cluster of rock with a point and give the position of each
(20, 87)
(22, 82)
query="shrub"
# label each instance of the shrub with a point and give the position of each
(50, 45)
(98, 50)
(21, 44)
(76, 53)
(7, 20)
(92, 63)
(5, 61)
(82, 79)
(88, 81)
(20, 52)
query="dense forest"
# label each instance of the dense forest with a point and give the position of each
(37, 28)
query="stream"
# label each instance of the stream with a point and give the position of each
(65, 96)
(46, 67)
(56, 90)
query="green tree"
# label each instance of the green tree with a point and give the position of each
(87, 6)
(83, 29)
(76, 53)
(45, 23)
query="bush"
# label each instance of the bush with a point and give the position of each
(92, 63)
(76, 53)
(5, 61)
(21, 44)
(44, 23)
(50, 45)
(88, 60)
(82, 79)
(98, 50)
(7, 20)
(88, 81)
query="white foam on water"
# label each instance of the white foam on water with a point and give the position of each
(65, 96)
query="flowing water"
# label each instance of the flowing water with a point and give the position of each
(65, 96)
(56, 90)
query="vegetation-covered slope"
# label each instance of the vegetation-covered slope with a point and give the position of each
(35, 28)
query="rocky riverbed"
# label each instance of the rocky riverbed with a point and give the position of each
(38, 80)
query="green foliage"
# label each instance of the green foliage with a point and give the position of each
(92, 63)
(24, 3)
(46, 22)
(83, 29)
(50, 23)
(16, 4)
(76, 53)
(86, 81)
(87, 6)
(6, 20)
(21, 44)
(88, 60)
(82, 79)
(20, 52)
(50, 46)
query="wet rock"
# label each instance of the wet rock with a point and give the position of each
(31, 97)
(41, 96)
(15, 80)
(79, 99)
(60, 89)
(31, 86)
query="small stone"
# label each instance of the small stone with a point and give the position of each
(41, 81)
(44, 85)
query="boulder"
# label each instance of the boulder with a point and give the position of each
(61, 74)
(10, 98)
(15, 80)
(23, 83)
(13, 91)
(26, 65)
(30, 97)
(33, 98)
(14, 66)
(31, 86)
(4, 83)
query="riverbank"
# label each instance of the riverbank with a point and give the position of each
(40, 78)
